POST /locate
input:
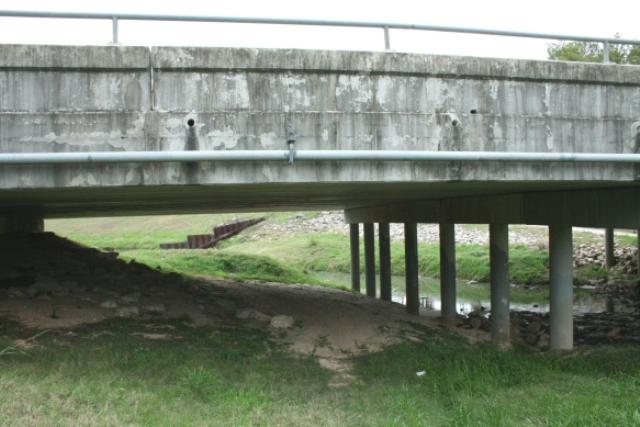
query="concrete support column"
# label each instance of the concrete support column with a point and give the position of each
(448, 273)
(499, 271)
(561, 284)
(369, 260)
(384, 242)
(638, 253)
(354, 234)
(21, 223)
(411, 267)
(609, 245)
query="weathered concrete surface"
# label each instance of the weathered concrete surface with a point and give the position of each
(60, 99)
(613, 207)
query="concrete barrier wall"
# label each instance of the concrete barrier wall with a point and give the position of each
(71, 98)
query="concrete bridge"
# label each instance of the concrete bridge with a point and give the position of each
(436, 139)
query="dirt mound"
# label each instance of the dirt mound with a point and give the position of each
(49, 282)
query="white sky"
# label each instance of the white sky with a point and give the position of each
(544, 16)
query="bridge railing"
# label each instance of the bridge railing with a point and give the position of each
(115, 18)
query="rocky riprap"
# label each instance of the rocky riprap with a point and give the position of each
(620, 323)
(333, 222)
(626, 258)
(44, 266)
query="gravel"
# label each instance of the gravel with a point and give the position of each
(333, 222)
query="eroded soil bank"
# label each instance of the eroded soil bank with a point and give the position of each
(48, 282)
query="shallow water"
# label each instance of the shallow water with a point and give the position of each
(585, 301)
(581, 305)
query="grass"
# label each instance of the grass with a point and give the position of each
(147, 232)
(294, 258)
(221, 264)
(518, 387)
(241, 377)
(627, 240)
(330, 252)
(238, 376)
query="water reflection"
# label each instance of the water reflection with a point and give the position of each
(581, 304)
(584, 302)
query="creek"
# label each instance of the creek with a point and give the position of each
(476, 296)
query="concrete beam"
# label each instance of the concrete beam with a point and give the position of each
(370, 259)
(561, 287)
(411, 268)
(354, 239)
(384, 243)
(499, 259)
(613, 207)
(448, 273)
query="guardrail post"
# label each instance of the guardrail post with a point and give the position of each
(387, 38)
(606, 57)
(114, 30)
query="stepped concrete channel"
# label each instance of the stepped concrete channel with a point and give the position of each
(63, 99)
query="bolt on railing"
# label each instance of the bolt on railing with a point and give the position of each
(115, 18)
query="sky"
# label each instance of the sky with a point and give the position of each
(541, 16)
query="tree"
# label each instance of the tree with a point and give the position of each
(594, 52)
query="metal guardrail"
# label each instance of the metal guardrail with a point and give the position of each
(292, 156)
(385, 26)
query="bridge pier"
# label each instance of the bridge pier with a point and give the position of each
(384, 243)
(354, 235)
(411, 267)
(561, 287)
(370, 259)
(448, 310)
(21, 223)
(609, 246)
(499, 273)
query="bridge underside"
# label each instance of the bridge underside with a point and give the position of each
(480, 202)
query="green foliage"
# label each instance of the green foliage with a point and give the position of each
(584, 273)
(147, 232)
(330, 252)
(236, 376)
(594, 52)
(295, 259)
(482, 386)
(291, 259)
(220, 264)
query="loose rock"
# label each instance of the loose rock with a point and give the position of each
(108, 304)
(282, 322)
(154, 309)
(127, 312)
(250, 314)
(130, 298)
